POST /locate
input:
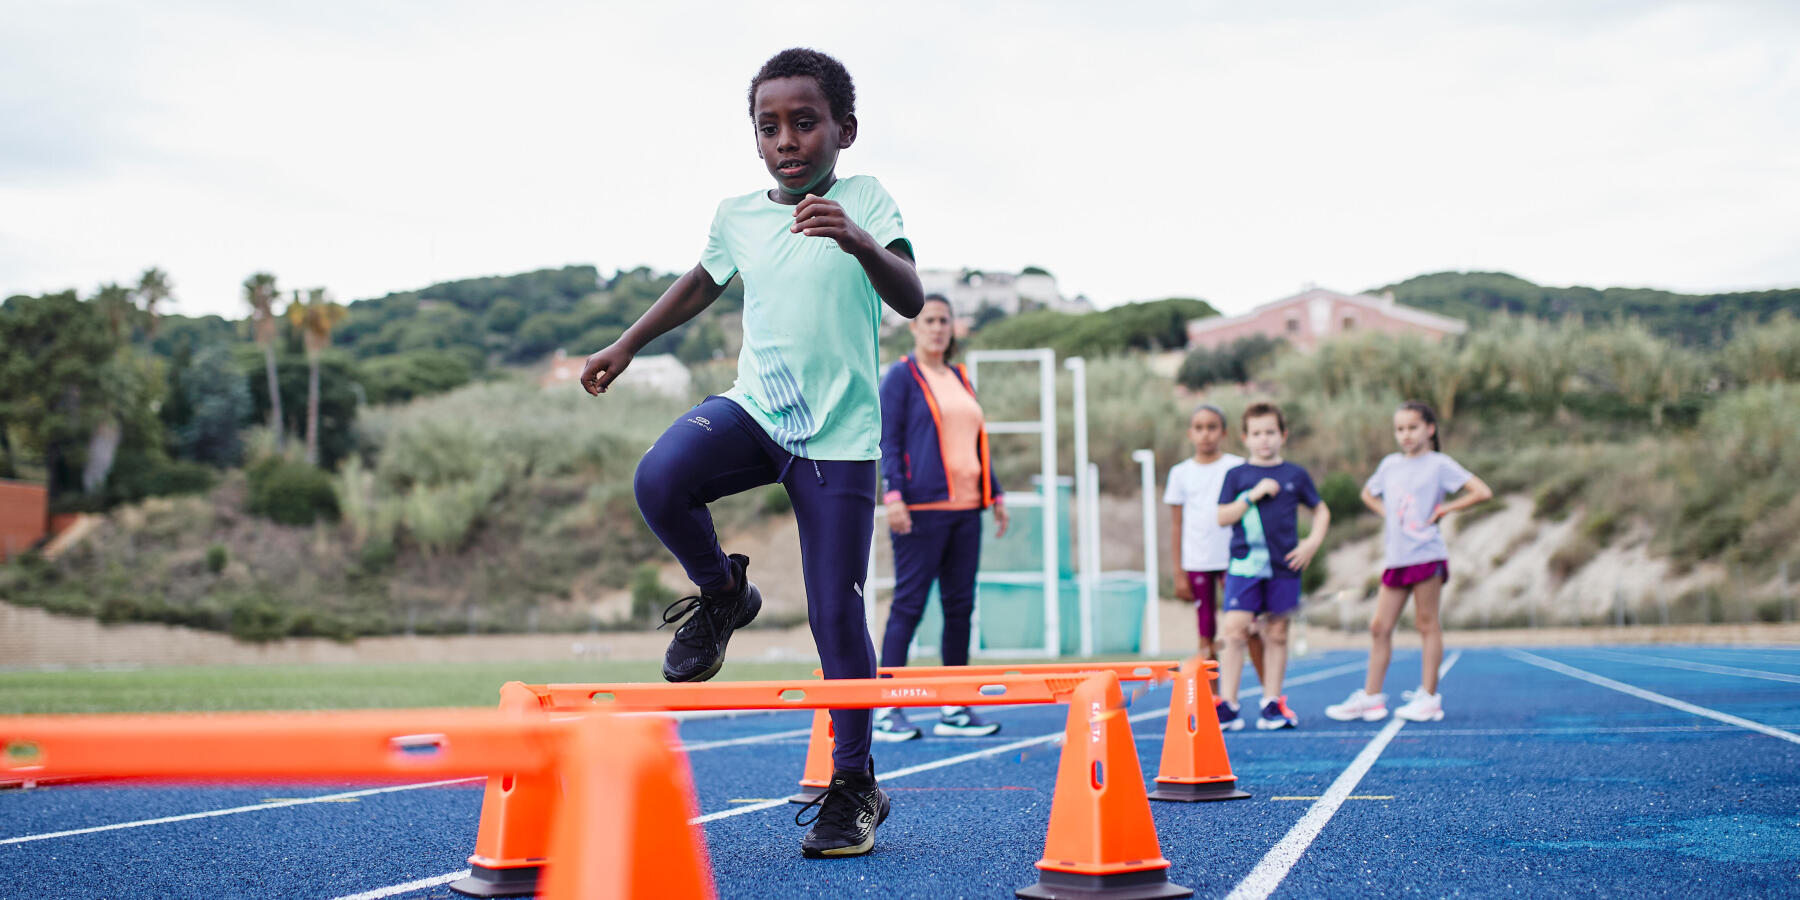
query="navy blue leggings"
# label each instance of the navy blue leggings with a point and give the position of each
(943, 546)
(715, 450)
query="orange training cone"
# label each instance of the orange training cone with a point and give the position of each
(817, 776)
(621, 830)
(514, 838)
(1194, 765)
(1102, 840)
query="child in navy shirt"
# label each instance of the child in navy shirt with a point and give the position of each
(1260, 500)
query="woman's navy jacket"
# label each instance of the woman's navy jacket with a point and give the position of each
(912, 453)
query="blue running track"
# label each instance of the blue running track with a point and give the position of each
(1616, 771)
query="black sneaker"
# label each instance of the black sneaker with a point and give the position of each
(961, 721)
(848, 812)
(698, 649)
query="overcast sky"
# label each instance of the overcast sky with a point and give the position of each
(1230, 151)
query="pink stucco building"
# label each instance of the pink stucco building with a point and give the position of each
(1317, 315)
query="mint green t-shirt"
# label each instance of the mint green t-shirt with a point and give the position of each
(807, 372)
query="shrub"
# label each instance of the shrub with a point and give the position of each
(1342, 495)
(216, 558)
(291, 493)
(648, 596)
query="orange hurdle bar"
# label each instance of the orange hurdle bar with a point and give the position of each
(815, 777)
(841, 693)
(629, 839)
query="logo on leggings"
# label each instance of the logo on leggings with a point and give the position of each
(701, 421)
(857, 588)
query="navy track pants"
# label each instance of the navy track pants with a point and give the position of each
(943, 546)
(715, 450)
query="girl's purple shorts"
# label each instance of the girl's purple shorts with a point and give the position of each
(1407, 576)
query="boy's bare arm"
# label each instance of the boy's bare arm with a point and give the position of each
(691, 293)
(1302, 555)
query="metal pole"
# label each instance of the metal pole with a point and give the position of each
(1047, 451)
(1151, 644)
(1084, 513)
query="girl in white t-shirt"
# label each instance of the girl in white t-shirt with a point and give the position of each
(1201, 547)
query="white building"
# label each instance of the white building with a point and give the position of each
(970, 290)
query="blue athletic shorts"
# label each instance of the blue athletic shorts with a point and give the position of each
(1267, 596)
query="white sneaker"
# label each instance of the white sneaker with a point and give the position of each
(891, 727)
(1360, 705)
(1421, 707)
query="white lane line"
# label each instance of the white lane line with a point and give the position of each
(1667, 663)
(1275, 865)
(752, 739)
(1651, 696)
(338, 798)
(419, 885)
(280, 804)
(1308, 678)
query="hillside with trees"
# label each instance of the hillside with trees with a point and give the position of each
(388, 466)
(1480, 297)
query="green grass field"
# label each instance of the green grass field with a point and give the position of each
(391, 686)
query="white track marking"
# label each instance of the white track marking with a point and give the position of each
(1667, 663)
(408, 887)
(1651, 696)
(752, 739)
(1308, 678)
(1262, 880)
(281, 804)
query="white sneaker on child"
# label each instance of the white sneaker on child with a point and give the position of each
(1360, 705)
(1421, 707)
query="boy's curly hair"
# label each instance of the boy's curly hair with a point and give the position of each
(801, 62)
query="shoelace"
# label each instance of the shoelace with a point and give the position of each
(842, 815)
(703, 614)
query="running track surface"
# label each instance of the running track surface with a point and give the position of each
(1646, 771)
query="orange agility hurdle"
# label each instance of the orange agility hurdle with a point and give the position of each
(621, 828)
(815, 777)
(511, 844)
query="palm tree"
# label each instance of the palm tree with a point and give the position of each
(154, 287)
(315, 318)
(260, 292)
(115, 304)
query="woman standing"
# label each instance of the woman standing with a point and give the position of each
(934, 463)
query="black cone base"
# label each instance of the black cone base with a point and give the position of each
(1198, 793)
(1151, 884)
(807, 795)
(486, 882)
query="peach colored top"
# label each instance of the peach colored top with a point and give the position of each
(960, 437)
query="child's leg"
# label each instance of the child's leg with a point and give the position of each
(1274, 630)
(1255, 650)
(834, 504)
(918, 555)
(1388, 604)
(706, 454)
(956, 582)
(1235, 628)
(1426, 595)
(1206, 587)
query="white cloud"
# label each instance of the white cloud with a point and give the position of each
(1135, 150)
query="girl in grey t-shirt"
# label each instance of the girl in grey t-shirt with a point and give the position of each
(1408, 491)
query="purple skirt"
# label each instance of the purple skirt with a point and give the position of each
(1407, 576)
